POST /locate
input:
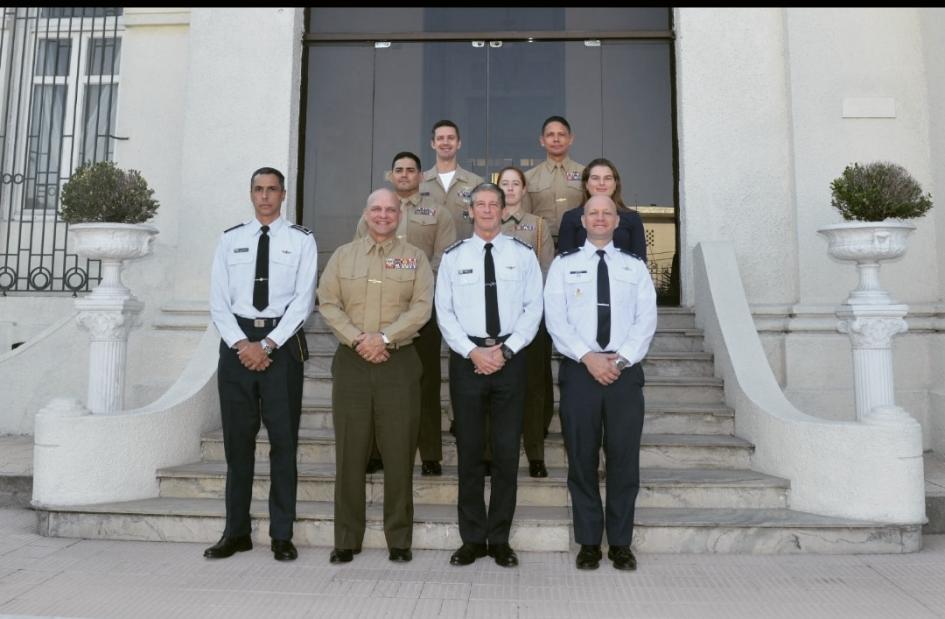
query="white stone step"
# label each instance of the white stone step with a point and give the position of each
(665, 340)
(316, 390)
(656, 450)
(750, 531)
(655, 364)
(659, 487)
(661, 418)
(667, 318)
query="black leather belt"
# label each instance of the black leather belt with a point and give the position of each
(488, 341)
(257, 323)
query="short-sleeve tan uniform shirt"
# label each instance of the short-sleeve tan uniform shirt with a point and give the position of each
(369, 287)
(454, 198)
(553, 189)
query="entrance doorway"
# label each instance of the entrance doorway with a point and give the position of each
(369, 96)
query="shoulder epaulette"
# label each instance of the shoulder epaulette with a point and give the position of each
(630, 253)
(234, 227)
(521, 242)
(568, 252)
(453, 246)
(301, 229)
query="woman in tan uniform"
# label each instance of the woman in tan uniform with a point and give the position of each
(539, 403)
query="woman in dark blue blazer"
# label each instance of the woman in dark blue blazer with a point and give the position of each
(601, 177)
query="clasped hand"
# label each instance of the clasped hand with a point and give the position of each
(602, 366)
(252, 355)
(487, 360)
(371, 347)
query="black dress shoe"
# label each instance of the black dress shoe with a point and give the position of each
(467, 554)
(503, 555)
(536, 468)
(622, 557)
(589, 557)
(374, 465)
(342, 555)
(228, 546)
(284, 550)
(431, 467)
(400, 555)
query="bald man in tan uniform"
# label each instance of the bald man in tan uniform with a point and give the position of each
(375, 294)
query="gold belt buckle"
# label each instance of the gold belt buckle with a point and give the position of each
(259, 323)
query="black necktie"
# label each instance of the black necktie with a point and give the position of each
(261, 282)
(603, 302)
(492, 296)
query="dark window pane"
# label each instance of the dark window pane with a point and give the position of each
(491, 19)
(52, 57)
(80, 11)
(104, 56)
(101, 104)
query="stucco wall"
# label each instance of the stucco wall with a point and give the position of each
(735, 145)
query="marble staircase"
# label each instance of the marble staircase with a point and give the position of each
(698, 492)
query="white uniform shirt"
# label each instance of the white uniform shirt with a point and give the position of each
(293, 266)
(571, 303)
(461, 299)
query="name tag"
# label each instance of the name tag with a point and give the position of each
(240, 250)
(577, 272)
(400, 263)
(426, 211)
(573, 176)
(465, 271)
(525, 227)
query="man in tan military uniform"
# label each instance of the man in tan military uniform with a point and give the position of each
(554, 186)
(427, 226)
(447, 183)
(375, 294)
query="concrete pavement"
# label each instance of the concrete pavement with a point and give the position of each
(52, 577)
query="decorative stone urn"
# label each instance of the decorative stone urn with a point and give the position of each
(110, 311)
(869, 315)
(868, 243)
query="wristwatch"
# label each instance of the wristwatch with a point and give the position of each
(266, 346)
(507, 352)
(621, 363)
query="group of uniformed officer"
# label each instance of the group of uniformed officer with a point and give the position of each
(488, 248)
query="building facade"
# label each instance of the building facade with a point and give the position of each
(728, 125)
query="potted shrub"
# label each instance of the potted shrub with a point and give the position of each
(105, 208)
(874, 199)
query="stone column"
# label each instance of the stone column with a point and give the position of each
(871, 329)
(108, 322)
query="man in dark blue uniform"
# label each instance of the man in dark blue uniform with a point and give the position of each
(262, 289)
(488, 306)
(600, 308)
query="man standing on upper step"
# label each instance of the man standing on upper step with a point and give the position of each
(600, 308)
(554, 185)
(261, 291)
(429, 227)
(488, 304)
(376, 293)
(448, 184)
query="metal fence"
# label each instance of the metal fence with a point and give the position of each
(59, 69)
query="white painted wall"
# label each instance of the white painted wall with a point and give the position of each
(853, 56)
(240, 113)
(736, 160)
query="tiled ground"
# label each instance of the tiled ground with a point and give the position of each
(51, 577)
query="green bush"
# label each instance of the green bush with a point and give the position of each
(877, 191)
(103, 192)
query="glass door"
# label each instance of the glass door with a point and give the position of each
(368, 101)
